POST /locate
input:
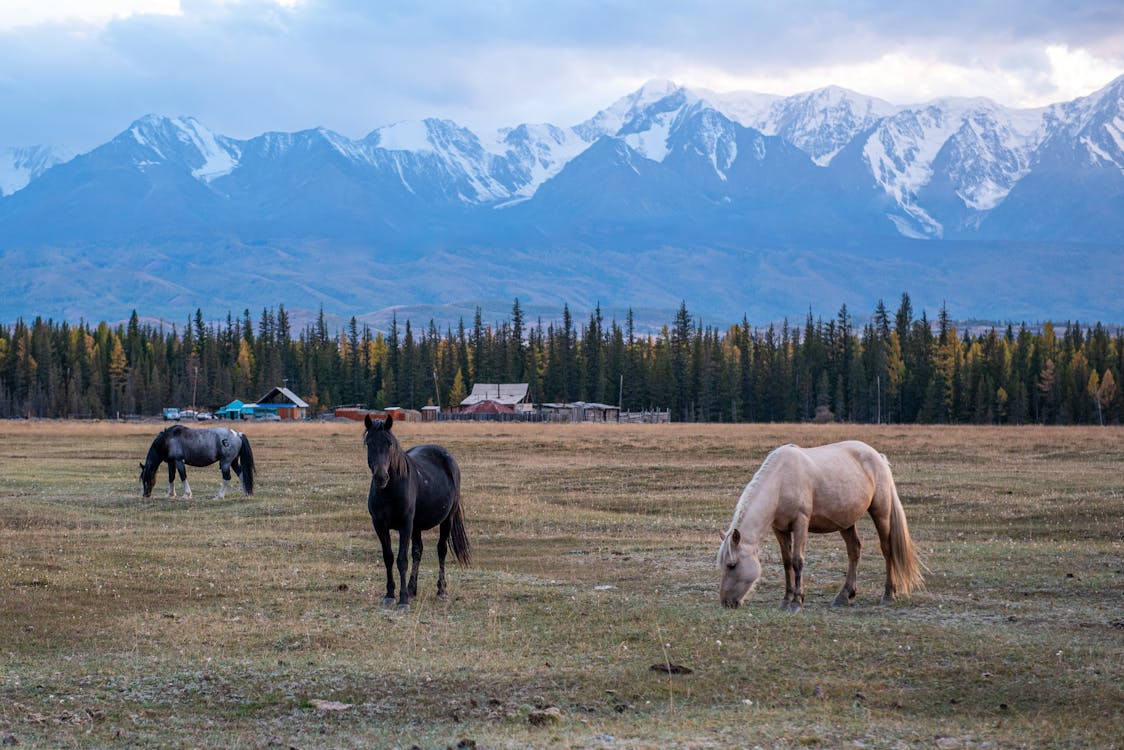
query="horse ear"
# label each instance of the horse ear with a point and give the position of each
(735, 537)
(367, 421)
(388, 422)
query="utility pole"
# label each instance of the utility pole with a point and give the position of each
(878, 399)
(620, 397)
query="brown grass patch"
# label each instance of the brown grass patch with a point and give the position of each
(222, 623)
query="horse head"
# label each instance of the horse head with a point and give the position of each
(152, 463)
(383, 451)
(741, 569)
(148, 479)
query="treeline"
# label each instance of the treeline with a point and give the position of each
(895, 368)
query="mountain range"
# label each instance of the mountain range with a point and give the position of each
(739, 204)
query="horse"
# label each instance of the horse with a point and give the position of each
(180, 446)
(412, 491)
(818, 490)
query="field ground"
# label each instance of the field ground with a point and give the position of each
(255, 622)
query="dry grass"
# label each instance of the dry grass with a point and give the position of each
(221, 623)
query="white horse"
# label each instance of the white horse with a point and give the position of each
(818, 490)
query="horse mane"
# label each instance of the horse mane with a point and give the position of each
(156, 452)
(398, 457)
(743, 501)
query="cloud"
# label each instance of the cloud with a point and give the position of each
(243, 67)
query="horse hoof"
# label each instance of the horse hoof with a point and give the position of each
(388, 601)
(403, 607)
(442, 596)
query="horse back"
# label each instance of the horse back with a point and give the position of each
(438, 486)
(838, 482)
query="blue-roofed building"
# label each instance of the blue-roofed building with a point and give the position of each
(236, 409)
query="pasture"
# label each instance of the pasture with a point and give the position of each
(255, 622)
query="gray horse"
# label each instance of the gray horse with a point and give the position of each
(180, 446)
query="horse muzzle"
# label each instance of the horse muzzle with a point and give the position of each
(730, 603)
(382, 480)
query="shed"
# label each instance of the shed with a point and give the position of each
(236, 409)
(284, 403)
(581, 411)
(514, 395)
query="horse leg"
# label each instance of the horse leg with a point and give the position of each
(225, 481)
(799, 541)
(416, 556)
(854, 549)
(182, 469)
(442, 550)
(403, 553)
(882, 525)
(784, 539)
(388, 562)
(171, 479)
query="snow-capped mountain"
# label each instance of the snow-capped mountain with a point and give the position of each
(21, 165)
(664, 168)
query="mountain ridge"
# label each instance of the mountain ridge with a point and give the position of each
(662, 172)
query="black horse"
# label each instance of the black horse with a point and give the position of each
(179, 446)
(412, 491)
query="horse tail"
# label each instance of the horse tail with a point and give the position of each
(246, 458)
(905, 565)
(457, 535)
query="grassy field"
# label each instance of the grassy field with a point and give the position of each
(255, 622)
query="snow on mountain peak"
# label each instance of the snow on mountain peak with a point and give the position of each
(407, 135)
(21, 165)
(1096, 124)
(185, 139)
(612, 120)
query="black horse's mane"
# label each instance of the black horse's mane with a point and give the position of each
(157, 451)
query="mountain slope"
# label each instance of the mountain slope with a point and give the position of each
(674, 182)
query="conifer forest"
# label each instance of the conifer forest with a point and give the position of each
(899, 367)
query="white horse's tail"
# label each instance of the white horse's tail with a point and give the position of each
(905, 565)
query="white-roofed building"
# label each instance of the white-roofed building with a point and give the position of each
(515, 395)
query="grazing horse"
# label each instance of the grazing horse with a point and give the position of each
(412, 491)
(180, 446)
(819, 490)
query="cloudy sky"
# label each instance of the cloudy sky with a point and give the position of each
(75, 73)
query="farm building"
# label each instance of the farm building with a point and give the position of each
(581, 411)
(236, 409)
(284, 403)
(514, 395)
(358, 413)
(487, 407)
